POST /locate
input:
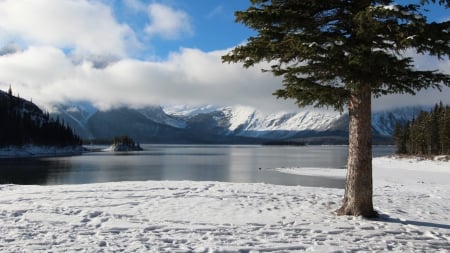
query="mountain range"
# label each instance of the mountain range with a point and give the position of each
(223, 124)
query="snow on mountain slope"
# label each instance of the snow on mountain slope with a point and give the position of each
(247, 121)
(228, 121)
(240, 116)
(189, 111)
(157, 114)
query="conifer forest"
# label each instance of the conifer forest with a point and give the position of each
(24, 123)
(427, 134)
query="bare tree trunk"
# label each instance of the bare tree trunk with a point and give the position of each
(358, 186)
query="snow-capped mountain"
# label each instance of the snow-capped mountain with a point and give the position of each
(249, 122)
(185, 111)
(214, 124)
(246, 121)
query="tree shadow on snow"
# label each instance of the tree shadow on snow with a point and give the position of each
(387, 218)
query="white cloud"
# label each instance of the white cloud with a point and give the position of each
(424, 97)
(84, 26)
(35, 36)
(187, 77)
(167, 22)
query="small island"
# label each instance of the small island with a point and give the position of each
(124, 144)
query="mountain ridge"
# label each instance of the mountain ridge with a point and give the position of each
(223, 124)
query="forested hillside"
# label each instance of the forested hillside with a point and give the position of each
(427, 134)
(22, 122)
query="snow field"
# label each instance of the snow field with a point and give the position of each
(185, 216)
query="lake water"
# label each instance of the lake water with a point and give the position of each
(226, 163)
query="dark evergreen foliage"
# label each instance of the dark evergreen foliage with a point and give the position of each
(441, 2)
(124, 140)
(125, 143)
(426, 135)
(327, 50)
(22, 122)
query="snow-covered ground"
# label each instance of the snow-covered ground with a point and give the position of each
(413, 198)
(38, 151)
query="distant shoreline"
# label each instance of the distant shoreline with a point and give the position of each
(34, 151)
(283, 143)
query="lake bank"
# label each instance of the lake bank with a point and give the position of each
(186, 216)
(33, 151)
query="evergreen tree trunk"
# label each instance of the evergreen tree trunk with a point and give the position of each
(358, 186)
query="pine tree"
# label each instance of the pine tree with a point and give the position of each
(401, 138)
(444, 130)
(419, 134)
(339, 54)
(10, 91)
(433, 131)
(428, 134)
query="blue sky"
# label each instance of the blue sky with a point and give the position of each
(143, 52)
(209, 25)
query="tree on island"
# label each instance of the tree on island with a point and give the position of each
(339, 54)
(125, 143)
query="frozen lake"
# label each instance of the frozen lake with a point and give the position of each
(225, 163)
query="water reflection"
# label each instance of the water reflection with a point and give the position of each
(256, 164)
(32, 171)
(187, 162)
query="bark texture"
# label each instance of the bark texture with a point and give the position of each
(358, 186)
